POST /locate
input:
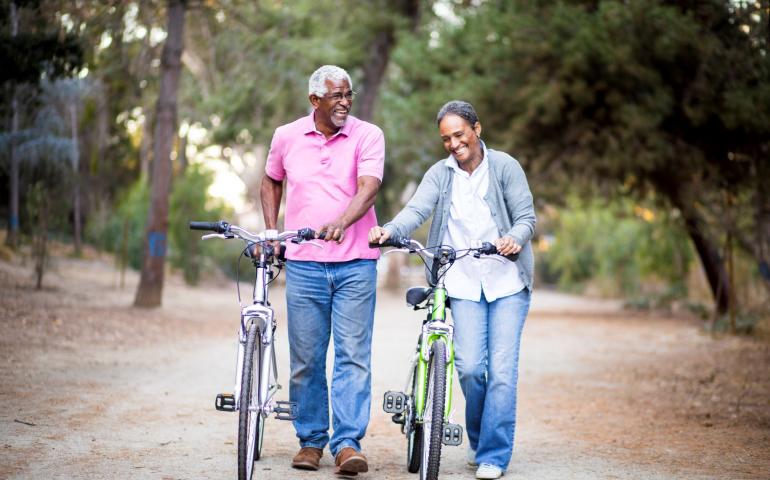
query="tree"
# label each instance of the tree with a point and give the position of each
(26, 55)
(68, 96)
(150, 290)
(616, 98)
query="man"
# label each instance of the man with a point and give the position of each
(332, 163)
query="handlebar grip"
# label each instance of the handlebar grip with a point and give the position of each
(219, 227)
(306, 234)
(488, 248)
(398, 242)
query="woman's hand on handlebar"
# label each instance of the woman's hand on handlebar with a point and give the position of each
(378, 235)
(507, 245)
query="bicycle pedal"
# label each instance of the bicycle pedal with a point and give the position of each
(285, 410)
(398, 418)
(453, 434)
(225, 402)
(394, 402)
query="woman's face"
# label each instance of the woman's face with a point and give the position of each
(461, 139)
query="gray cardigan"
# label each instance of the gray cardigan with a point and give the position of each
(508, 197)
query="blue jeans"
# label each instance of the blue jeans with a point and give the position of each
(487, 338)
(324, 299)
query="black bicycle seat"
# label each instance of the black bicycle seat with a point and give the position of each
(417, 295)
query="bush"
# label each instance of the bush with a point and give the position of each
(122, 232)
(624, 248)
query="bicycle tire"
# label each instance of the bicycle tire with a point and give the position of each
(249, 387)
(414, 437)
(433, 418)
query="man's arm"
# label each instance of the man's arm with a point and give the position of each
(361, 202)
(270, 194)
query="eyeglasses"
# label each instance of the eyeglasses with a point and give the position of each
(337, 97)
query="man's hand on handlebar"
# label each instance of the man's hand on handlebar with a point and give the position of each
(332, 231)
(507, 246)
(378, 235)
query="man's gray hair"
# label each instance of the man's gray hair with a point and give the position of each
(461, 109)
(317, 84)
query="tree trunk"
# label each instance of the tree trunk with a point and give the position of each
(374, 72)
(762, 220)
(150, 290)
(12, 238)
(40, 240)
(76, 203)
(707, 251)
(379, 56)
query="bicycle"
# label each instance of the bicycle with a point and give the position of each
(256, 369)
(426, 402)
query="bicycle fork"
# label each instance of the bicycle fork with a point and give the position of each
(267, 380)
(397, 403)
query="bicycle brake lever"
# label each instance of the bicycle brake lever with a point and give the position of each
(209, 236)
(313, 243)
(496, 258)
(403, 250)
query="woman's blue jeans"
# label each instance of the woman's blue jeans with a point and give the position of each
(324, 299)
(487, 338)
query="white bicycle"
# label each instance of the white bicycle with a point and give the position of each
(256, 369)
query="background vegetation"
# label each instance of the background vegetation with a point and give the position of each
(643, 126)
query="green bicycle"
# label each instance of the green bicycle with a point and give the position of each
(422, 409)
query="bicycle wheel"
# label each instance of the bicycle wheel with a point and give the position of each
(413, 431)
(433, 418)
(250, 422)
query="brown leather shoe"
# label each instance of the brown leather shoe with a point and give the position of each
(350, 462)
(307, 458)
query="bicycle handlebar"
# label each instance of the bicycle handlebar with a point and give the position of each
(223, 228)
(486, 248)
(219, 227)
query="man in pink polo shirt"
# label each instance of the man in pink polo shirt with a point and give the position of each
(332, 163)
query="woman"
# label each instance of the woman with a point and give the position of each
(479, 194)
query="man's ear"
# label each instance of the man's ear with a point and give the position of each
(314, 100)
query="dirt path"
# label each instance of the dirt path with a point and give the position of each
(91, 388)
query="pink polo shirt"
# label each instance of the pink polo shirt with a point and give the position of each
(321, 179)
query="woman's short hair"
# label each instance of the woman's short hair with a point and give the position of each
(461, 109)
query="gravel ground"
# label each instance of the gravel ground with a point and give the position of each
(92, 388)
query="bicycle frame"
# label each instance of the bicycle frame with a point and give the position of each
(261, 314)
(431, 331)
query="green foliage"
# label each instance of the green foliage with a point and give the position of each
(189, 201)
(123, 230)
(619, 246)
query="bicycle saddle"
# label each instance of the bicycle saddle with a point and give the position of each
(417, 295)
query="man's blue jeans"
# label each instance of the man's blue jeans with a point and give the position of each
(323, 299)
(487, 338)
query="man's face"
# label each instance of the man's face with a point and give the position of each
(332, 109)
(460, 139)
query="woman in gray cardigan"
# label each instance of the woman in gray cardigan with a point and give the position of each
(479, 194)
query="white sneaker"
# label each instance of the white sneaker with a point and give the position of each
(487, 471)
(470, 457)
